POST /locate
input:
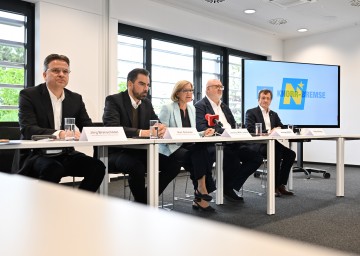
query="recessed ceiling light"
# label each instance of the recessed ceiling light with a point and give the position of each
(301, 30)
(250, 11)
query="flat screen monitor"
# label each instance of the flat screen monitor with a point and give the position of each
(304, 95)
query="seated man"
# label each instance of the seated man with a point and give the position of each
(42, 110)
(133, 111)
(284, 157)
(240, 161)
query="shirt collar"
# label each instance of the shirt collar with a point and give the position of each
(213, 104)
(133, 102)
(263, 109)
(53, 97)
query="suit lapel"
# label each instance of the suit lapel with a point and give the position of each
(128, 107)
(46, 102)
(191, 115)
(177, 116)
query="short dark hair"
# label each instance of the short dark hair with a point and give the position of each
(55, 56)
(265, 91)
(135, 72)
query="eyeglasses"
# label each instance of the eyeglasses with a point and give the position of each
(217, 86)
(187, 90)
(57, 71)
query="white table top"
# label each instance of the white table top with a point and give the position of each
(23, 144)
(41, 219)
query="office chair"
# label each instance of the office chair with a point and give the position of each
(7, 155)
(300, 168)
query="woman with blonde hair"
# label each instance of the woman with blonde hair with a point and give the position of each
(194, 157)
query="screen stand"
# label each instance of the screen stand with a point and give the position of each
(299, 162)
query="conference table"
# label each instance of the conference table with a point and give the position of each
(41, 219)
(151, 145)
(102, 152)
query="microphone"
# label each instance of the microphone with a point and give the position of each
(213, 120)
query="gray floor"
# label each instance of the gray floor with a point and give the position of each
(314, 214)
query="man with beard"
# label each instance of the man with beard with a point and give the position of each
(133, 111)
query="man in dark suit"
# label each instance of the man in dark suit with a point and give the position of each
(284, 157)
(133, 111)
(240, 161)
(42, 110)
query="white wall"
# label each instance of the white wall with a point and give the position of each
(338, 48)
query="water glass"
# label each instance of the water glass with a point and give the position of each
(154, 129)
(69, 128)
(258, 129)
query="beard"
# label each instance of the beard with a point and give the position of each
(139, 96)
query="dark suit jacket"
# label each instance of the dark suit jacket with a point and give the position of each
(204, 107)
(254, 115)
(36, 117)
(117, 112)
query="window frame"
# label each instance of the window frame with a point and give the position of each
(27, 9)
(199, 47)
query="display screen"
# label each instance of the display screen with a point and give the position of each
(304, 95)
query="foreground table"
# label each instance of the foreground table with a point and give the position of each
(41, 219)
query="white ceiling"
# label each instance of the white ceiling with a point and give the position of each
(318, 16)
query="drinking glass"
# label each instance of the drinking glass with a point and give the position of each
(258, 129)
(69, 128)
(154, 131)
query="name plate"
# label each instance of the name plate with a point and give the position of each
(103, 134)
(312, 131)
(236, 133)
(282, 132)
(181, 133)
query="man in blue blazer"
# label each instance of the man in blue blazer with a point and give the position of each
(284, 156)
(133, 111)
(240, 161)
(42, 110)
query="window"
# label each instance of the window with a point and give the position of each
(170, 63)
(235, 96)
(170, 59)
(16, 55)
(211, 65)
(130, 56)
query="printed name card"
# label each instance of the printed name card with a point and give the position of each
(312, 131)
(282, 132)
(181, 133)
(236, 133)
(103, 134)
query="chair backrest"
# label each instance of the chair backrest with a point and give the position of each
(7, 155)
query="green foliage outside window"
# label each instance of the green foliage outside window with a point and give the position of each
(10, 76)
(122, 87)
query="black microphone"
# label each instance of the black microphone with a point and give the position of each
(218, 123)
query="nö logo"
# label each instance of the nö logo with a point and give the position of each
(292, 94)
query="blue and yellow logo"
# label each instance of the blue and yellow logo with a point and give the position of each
(293, 93)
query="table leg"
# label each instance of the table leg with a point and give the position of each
(340, 167)
(271, 177)
(219, 173)
(103, 157)
(153, 175)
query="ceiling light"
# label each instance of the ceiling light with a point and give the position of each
(278, 21)
(214, 1)
(301, 30)
(250, 11)
(355, 3)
